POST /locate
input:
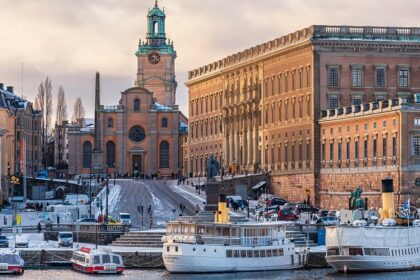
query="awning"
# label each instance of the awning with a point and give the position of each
(259, 185)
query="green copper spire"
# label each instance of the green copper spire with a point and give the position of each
(155, 36)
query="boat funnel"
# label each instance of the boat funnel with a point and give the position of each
(388, 207)
(222, 214)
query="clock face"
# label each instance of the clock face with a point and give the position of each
(154, 58)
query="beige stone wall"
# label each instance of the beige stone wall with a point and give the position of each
(294, 187)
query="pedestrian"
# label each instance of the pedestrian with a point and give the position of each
(39, 227)
(58, 220)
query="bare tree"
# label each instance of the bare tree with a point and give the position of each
(79, 111)
(60, 128)
(61, 115)
(43, 103)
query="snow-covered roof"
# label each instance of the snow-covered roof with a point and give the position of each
(159, 107)
(183, 126)
(10, 100)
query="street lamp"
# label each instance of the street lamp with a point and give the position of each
(107, 192)
(2, 132)
(248, 206)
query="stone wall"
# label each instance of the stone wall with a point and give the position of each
(294, 187)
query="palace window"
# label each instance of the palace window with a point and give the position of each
(356, 100)
(331, 151)
(136, 105)
(356, 150)
(164, 122)
(333, 76)
(394, 146)
(110, 122)
(347, 150)
(110, 154)
(375, 148)
(272, 86)
(339, 151)
(87, 154)
(403, 78)
(416, 145)
(384, 150)
(365, 148)
(323, 151)
(164, 154)
(333, 102)
(417, 121)
(356, 77)
(308, 150)
(279, 84)
(380, 77)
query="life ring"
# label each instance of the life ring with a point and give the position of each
(254, 241)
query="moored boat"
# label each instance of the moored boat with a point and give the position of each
(198, 247)
(93, 261)
(384, 247)
(11, 262)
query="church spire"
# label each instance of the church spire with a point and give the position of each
(156, 3)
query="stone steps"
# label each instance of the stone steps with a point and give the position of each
(140, 239)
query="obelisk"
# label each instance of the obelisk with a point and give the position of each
(97, 148)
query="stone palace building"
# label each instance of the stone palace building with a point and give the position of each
(278, 107)
(143, 133)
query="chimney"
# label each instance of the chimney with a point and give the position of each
(10, 89)
(1, 86)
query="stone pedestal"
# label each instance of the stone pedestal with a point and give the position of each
(212, 193)
(97, 162)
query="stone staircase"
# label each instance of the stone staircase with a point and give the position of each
(147, 239)
(300, 239)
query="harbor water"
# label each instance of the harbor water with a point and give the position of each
(156, 274)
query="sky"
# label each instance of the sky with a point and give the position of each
(70, 40)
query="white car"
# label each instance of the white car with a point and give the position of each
(21, 242)
(125, 218)
(65, 239)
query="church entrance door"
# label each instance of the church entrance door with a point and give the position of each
(137, 166)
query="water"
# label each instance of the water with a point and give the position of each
(318, 274)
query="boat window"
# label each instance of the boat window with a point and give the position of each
(96, 260)
(275, 253)
(333, 252)
(167, 248)
(377, 251)
(200, 229)
(262, 253)
(355, 252)
(256, 254)
(249, 254)
(106, 259)
(268, 254)
(228, 253)
(236, 254)
(10, 259)
(243, 253)
(116, 259)
(176, 248)
(281, 253)
(76, 257)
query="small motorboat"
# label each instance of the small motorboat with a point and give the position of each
(93, 261)
(11, 262)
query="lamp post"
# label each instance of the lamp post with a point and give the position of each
(107, 193)
(90, 193)
(248, 207)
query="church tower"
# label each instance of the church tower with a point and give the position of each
(156, 59)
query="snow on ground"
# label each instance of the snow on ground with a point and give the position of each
(158, 208)
(113, 198)
(189, 192)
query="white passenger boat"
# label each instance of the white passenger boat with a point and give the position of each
(194, 247)
(92, 261)
(11, 262)
(384, 247)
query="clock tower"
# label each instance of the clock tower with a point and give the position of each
(156, 59)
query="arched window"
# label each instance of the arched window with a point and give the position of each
(164, 154)
(110, 154)
(87, 154)
(110, 122)
(164, 122)
(136, 105)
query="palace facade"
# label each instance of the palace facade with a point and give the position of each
(259, 110)
(142, 134)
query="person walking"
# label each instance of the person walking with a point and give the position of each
(39, 227)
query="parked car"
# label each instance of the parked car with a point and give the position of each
(65, 239)
(4, 242)
(87, 220)
(232, 198)
(125, 218)
(264, 197)
(276, 201)
(113, 221)
(323, 213)
(301, 207)
(330, 221)
(21, 242)
(287, 214)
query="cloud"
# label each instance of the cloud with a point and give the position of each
(70, 40)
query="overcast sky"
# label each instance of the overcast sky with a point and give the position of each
(70, 40)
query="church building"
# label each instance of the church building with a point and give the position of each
(143, 133)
